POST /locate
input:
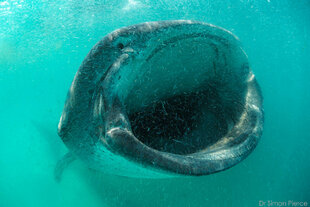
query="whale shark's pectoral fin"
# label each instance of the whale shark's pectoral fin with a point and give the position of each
(62, 164)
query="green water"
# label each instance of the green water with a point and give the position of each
(42, 44)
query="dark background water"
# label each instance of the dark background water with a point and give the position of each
(42, 44)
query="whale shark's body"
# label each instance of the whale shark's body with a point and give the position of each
(163, 99)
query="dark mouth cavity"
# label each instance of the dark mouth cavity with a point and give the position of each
(181, 124)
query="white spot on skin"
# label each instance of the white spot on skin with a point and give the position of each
(127, 49)
(73, 84)
(251, 77)
(255, 107)
(62, 118)
(59, 124)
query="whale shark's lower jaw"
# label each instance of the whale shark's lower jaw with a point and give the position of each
(174, 96)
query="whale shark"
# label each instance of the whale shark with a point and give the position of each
(163, 99)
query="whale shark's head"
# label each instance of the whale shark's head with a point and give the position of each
(169, 97)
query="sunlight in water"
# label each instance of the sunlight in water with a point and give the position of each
(132, 4)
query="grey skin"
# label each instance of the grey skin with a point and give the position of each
(132, 69)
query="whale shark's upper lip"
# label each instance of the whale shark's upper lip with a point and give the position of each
(175, 39)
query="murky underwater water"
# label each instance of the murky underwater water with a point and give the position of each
(42, 44)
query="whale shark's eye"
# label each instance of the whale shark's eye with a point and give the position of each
(120, 45)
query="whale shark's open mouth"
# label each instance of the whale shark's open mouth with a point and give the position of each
(176, 95)
(183, 101)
